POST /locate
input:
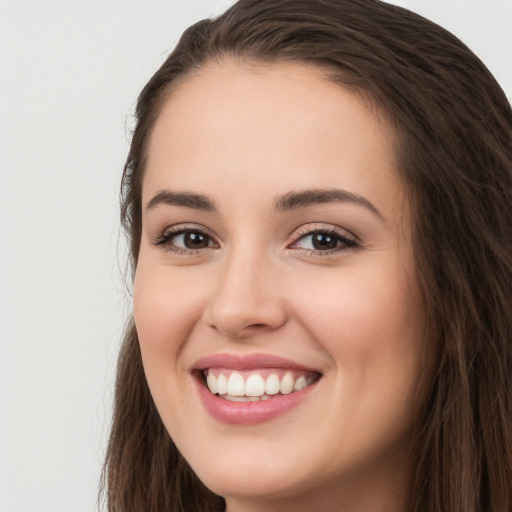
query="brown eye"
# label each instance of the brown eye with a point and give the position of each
(185, 240)
(194, 240)
(324, 241)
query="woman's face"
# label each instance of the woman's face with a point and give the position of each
(276, 262)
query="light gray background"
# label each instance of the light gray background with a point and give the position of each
(70, 71)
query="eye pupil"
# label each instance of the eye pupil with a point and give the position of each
(195, 240)
(324, 241)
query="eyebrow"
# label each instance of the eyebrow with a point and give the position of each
(186, 199)
(306, 198)
(289, 201)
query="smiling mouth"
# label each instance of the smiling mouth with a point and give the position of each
(256, 385)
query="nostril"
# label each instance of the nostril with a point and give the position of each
(245, 328)
(238, 317)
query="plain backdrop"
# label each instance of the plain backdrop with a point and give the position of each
(70, 71)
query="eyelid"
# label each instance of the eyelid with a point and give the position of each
(319, 226)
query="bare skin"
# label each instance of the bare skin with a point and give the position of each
(264, 261)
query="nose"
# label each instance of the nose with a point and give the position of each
(246, 299)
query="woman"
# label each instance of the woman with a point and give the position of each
(318, 197)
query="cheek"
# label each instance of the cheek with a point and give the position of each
(361, 309)
(166, 309)
(366, 322)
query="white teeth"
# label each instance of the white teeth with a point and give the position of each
(211, 382)
(235, 388)
(236, 385)
(255, 385)
(241, 398)
(222, 385)
(300, 383)
(272, 384)
(287, 383)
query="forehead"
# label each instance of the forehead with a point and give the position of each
(285, 125)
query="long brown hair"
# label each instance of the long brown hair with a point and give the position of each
(454, 128)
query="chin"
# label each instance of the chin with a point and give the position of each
(255, 484)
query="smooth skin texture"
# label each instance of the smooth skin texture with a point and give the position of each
(245, 136)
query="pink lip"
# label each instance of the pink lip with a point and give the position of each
(248, 413)
(247, 362)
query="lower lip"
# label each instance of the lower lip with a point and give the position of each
(250, 413)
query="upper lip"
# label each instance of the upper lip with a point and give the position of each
(247, 362)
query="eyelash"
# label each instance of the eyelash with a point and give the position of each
(165, 239)
(343, 241)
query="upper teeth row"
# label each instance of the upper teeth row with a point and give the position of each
(256, 385)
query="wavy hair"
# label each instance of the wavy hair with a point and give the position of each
(454, 130)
